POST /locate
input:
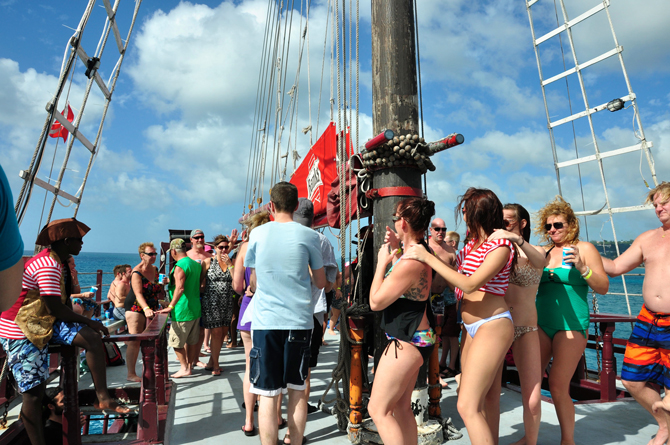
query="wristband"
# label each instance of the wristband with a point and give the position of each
(170, 306)
(339, 288)
(399, 251)
(588, 275)
(145, 308)
(523, 241)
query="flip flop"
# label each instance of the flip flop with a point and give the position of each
(283, 424)
(284, 442)
(244, 406)
(253, 432)
(216, 372)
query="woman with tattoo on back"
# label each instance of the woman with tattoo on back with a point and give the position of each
(403, 294)
(481, 282)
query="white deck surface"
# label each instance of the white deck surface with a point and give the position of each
(208, 409)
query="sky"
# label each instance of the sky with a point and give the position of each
(175, 146)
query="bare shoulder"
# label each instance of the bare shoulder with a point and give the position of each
(587, 247)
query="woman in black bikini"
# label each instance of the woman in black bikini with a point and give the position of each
(141, 302)
(402, 295)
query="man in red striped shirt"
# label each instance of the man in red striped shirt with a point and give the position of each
(47, 282)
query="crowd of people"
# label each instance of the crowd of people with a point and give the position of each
(276, 284)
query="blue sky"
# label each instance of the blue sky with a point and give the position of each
(175, 144)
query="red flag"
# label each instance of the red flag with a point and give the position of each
(57, 130)
(319, 169)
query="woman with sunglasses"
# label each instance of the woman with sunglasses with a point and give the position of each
(141, 302)
(481, 281)
(562, 306)
(520, 297)
(403, 294)
(217, 298)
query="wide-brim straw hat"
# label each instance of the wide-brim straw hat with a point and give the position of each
(61, 229)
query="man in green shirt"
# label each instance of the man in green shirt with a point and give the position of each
(184, 307)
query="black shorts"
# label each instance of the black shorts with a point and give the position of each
(451, 328)
(315, 345)
(329, 300)
(278, 360)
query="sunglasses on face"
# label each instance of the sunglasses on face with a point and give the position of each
(150, 253)
(395, 218)
(557, 226)
(199, 237)
(440, 229)
(508, 223)
(222, 247)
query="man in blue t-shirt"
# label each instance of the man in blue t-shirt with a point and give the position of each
(286, 260)
(11, 266)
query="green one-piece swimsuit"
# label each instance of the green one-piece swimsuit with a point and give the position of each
(562, 302)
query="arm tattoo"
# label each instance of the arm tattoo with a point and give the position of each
(416, 293)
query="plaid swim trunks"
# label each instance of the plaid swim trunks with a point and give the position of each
(29, 365)
(647, 357)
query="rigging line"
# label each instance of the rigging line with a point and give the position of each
(254, 133)
(418, 63)
(358, 207)
(281, 87)
(53, 159)
(112, 87)
(266, 100)
(309, 79)
(332, 62)
(77, 121)
(323, 62)
(270, 101)
(261, 134)
(574, 133)
(281, 83)
(340, 150)
(23, 198)
(351, 88)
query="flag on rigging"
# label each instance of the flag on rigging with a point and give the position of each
(58, 130)
(318, 170)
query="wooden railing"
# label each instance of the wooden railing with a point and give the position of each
(586, 386)
(152, 397)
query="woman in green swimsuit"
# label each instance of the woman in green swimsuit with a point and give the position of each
(562, 306)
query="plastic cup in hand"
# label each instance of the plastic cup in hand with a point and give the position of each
(567, 251)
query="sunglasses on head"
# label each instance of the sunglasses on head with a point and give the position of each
(150, 253)
(557, 226)
(199, 237)
(440, 229)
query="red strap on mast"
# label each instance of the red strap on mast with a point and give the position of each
(393, 191)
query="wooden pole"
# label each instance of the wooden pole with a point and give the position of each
(395, 107)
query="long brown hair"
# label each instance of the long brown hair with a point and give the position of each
(483, 211)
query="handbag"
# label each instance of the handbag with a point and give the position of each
(34, 319)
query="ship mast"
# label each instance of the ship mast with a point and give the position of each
(394, 106)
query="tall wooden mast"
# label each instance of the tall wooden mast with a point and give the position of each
(395, 105)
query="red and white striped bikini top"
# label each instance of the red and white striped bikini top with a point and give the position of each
(468, 261)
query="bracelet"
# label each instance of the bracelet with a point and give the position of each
(523, 241)
(588, 275)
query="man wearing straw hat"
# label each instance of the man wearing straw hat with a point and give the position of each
(42, 315)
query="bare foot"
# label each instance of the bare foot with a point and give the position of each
(200, 364)
(444, 384)
(660, 438)
(112, 406)
(180, 373)
(331, 332)
(134, 378)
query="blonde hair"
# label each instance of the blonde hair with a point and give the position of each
(144, 246)
(255, 220)
(663, 190)
(558, 206)
(453, 236)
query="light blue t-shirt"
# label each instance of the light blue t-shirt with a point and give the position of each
(10, 238)
(280, 254)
